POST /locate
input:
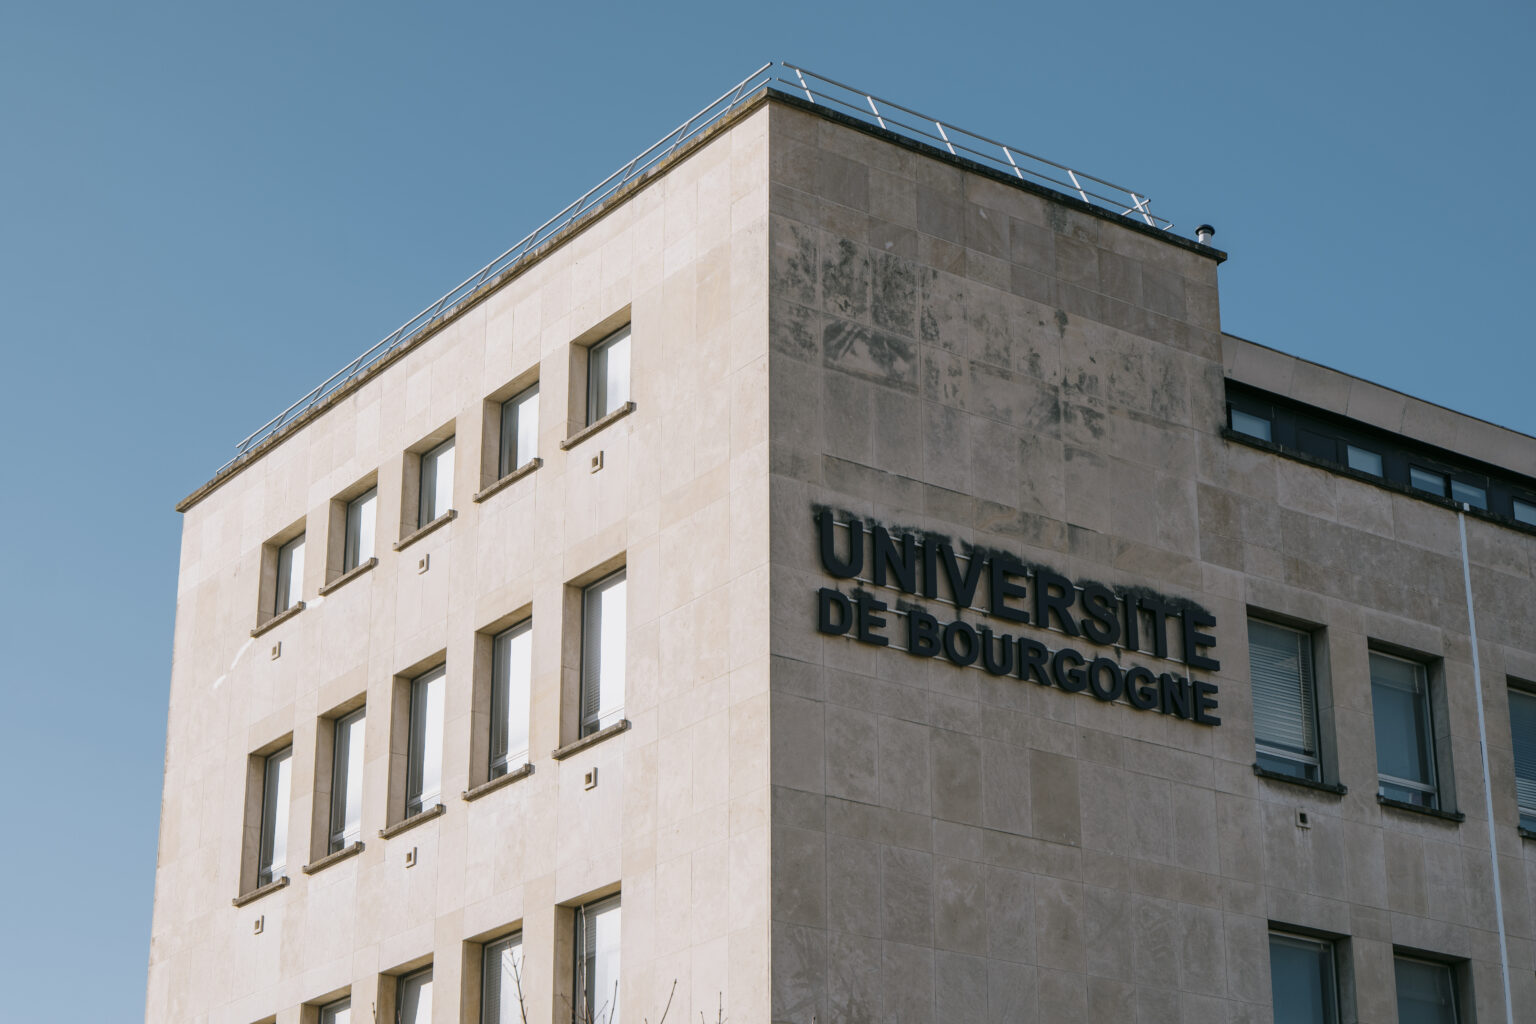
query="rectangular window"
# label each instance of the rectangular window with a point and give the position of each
(603, 624)
(272, 860)
(1405, 744)
(1426, 480)
(608, 375)
(1426, 992)
(511, 673)
(347, 782)
(290, 575)
(1302, 980)
(597, 962)
(1469, 494)
(1522, 726)
(1284, 700)
(501, 985)
(1525, 512)
(358, 547)
(414, 998)
(519, 431)
(1253, 426)
(424, 760)
(339, 1012)
(436, 495)
(1364, 460)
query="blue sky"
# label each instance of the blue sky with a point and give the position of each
(207, 209)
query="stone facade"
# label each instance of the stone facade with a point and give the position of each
(828, 321)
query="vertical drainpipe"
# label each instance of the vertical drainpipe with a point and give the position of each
(1482, 742)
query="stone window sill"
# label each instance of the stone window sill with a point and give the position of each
(587, 431)
(260, 891)
(1428, 812)
(350, 850)
(1336, 788)
(578, 746)
(1525, 833)
(348, 576)
(507, 481)
(476, 792)
(417, 534)
(435, 811)
(278, 619)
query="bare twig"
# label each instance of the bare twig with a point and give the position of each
(663, 1017)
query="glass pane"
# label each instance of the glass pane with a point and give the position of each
(1469, 494)
(1284, 701)
(597, 961)
(511, 673)
(339, 1012)
(290, 575)
(1400, 705)
(436, 483)
(416, 998)
(360, 518)
(274, 817)
(1525, 512)
(1426, 993)
(501, 988)
(604, 623)
(618, 371)
(1522, 727)
(1301, 978)
(608, 375)
(1253, 426)
(1424, 480)
(347, 781)
(1364, 460)
(424, 775)
(519, 430)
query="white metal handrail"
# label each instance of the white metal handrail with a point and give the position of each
(789, 78)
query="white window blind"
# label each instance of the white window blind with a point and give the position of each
(1284, 695)
(501, 982)
(1522, 726)
(597, 961)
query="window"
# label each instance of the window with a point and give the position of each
(519, 431)
(1284, 700)
(272, 860)
(358, 547)
(1524, 512)
(1426, 992)
(1522, 726)
(424, 760)
(1363, 460)
(597, 962)
(1469, 494)
(435, 496)
(290, 575)
(346, 825)
(511, 671)
(608, 375)
(339, 1012)
(414, 998)
(1405, 745)
(603, 624)
(1301, 974)
(1426, 480)
(1253, 426)
(501, 982)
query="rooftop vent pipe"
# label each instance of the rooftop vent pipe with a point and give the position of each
(1203, 234)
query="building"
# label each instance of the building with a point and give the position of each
(832, 576)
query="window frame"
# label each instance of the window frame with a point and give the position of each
(352, 531)
(1434, 789)
(429, 472)
(327, 1014)
(581, 978)
(418, 714)
(1332, 996)
(599, 373)
(499, 763)
(510, 435)
(590, 673)
(341, 779)
(493, 948)
(409, 978)
(1312, 766)
(1525, 815)
(275, 822)
(1452, 974)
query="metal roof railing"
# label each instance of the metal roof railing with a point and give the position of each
(786, 78)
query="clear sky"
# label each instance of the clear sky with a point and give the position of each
(205, 209)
